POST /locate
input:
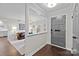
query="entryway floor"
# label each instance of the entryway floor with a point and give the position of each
(50, 50)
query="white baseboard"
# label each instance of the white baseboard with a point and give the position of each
(60, 47)
(33, 52)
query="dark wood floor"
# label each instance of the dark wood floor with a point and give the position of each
(49, 50)
(6, 49)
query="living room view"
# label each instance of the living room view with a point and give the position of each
(39, 29)
(12, 29)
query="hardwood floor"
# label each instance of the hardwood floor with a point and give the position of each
(6, 49)
(49, 50)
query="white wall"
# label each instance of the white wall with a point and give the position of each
(68, 11)
(33, 43)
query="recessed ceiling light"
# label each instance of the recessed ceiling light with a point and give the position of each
(50, 5)
(1, 22)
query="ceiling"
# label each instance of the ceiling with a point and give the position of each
(12, 10)
(58, 6)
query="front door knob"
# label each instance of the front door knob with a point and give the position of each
(74, 37)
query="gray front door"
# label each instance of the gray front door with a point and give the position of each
(58, 30)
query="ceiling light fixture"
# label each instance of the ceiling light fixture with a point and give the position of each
(14, 27)
(51, 5)
(1, 22)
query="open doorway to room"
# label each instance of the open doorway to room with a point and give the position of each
(58, 31)
(12, 28)
(6, 48)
